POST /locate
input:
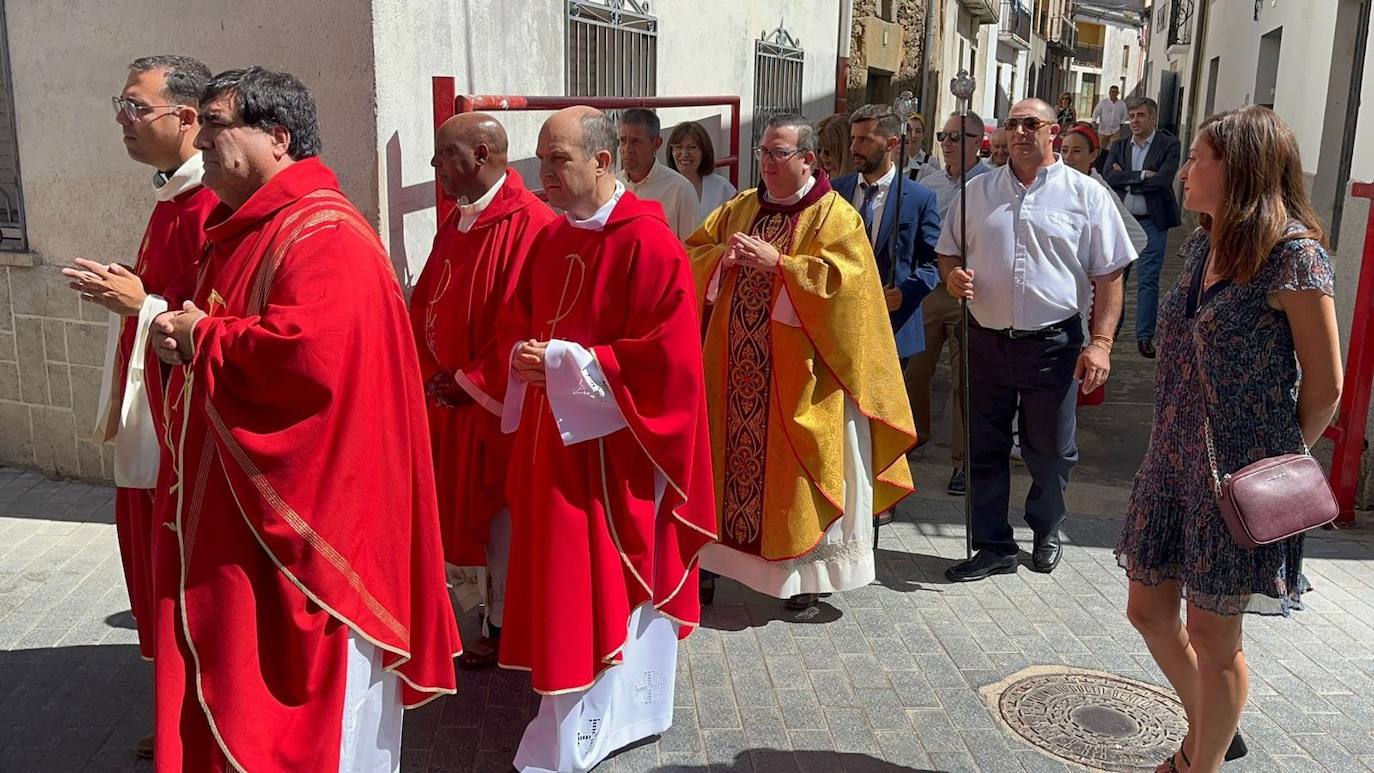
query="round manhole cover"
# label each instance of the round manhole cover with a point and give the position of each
(1094, 719)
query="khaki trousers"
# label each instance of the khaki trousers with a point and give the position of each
(942, 317)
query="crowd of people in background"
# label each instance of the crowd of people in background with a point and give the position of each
(595, 393)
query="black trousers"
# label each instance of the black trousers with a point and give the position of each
(1040, 372)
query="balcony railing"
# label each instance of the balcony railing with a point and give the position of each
(1087, 55)
(1063, 33)
(1016, 24)
(1181, 23)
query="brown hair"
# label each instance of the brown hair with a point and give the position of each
(834, 139)
(693, 131)
(1262, 175)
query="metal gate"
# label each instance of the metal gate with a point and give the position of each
(778, 60)
(612, 49)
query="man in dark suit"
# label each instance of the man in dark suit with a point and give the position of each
(1141, 169)
(875, 132)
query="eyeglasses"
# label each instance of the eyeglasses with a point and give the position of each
(132, 110)
(1030, 122)
(777, 154)
(952, 136)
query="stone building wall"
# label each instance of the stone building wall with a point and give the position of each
(911, 18)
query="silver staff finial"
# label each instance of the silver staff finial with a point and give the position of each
(905, 105)
(963, 85)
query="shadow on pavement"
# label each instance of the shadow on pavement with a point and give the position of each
(752, 760)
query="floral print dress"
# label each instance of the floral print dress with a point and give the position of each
(1225, 351)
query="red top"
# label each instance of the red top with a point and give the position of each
(588, 544)
(305, 492)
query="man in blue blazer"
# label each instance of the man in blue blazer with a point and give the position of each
(1141, 169)
(874, 132)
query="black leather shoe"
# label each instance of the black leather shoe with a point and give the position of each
(983, 565)
(958, 485)
(1046, 554)
(1237, 749)
(1146, 347)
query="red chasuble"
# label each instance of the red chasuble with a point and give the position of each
(171, 244)
(302, 503)
(467, 280)
(588, 544)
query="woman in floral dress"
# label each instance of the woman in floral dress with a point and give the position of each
(1251, 311)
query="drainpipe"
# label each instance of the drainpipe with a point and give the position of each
(846, 35)
(1199, 59)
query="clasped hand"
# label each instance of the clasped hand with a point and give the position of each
(959, 283)
(529, 361)
(114, 287)
(746, 250)
(173, 331)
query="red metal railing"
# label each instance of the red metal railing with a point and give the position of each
(448, 103)
(1348, 431)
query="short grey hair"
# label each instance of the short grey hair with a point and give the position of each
(638, 116)
(889, 124)
(599, 134)
(186, 77)
(806, 131)
(1149, 104)
(970, 119)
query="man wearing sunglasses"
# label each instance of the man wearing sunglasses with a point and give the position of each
(1041, 238)
(960, 140)
(157, 116)
(809, 423)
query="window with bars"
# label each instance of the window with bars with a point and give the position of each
(778, 60)
(612, 49)
(12, 234)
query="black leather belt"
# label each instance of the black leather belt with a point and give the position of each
(1048, 331)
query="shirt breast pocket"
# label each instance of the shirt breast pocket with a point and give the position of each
(1061, 228)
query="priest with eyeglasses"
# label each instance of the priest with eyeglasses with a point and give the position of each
(809, 419)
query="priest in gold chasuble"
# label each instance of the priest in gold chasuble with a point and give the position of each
(810, 423)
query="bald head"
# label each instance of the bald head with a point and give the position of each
(1031, 148)
(577, 159)
(469, 155)
(1034, 106)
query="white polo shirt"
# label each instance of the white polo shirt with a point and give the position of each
(1034, 250)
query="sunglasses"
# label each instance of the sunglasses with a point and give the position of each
(952, 136)
(1031, 123)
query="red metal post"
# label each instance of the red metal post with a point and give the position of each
(1348, 432)
(443, 88)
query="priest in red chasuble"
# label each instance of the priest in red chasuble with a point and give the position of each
(469, 277)
(610, 479)
(299, 571)
(156, 112)
(810, 424)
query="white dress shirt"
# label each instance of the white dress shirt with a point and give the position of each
(1135, 203)
(1035, 249)
(946, 185)
(672, 191)
(1109, 116)
(884, 184)
(468, 213)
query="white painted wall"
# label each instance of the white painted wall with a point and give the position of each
(472, 40)
(69, 58)
(1304, 63)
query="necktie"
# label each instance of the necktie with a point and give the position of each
(866, 208)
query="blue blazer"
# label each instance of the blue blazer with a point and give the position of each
(917, 269)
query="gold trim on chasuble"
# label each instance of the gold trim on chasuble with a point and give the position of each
(749, 360)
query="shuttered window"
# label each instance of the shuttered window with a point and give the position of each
(12, 235)
(612, 49)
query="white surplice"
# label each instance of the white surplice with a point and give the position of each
(372, 713)
(633, 700)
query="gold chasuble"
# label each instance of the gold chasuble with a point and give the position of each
(786, 353)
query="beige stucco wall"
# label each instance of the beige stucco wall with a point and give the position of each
(85, 197)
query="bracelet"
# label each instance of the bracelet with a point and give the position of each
(1106, 347)
(1108, 339)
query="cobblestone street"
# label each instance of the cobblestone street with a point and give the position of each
(885, 678)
